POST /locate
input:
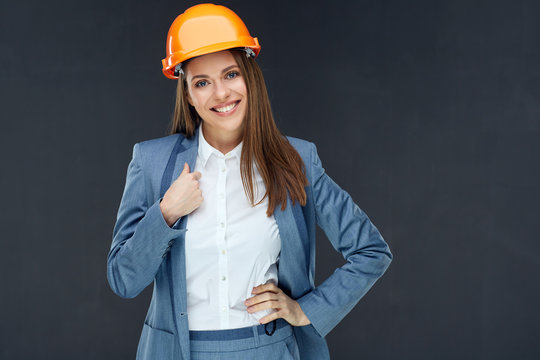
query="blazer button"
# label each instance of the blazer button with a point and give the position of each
(171, 242)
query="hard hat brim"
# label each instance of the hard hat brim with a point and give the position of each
(178, 57)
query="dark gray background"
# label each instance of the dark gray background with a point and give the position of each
(426, 112)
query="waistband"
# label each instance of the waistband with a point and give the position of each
(240, 339)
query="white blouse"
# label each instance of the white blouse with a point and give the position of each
(231, 246)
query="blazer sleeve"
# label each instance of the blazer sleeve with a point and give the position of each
(141, 237)
(351, 232)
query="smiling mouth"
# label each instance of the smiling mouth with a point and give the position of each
(225, 109)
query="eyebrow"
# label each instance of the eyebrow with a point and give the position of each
(222, 71)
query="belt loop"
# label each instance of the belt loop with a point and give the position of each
(256, 335)
(273, 330)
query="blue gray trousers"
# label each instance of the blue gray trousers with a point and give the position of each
(275, 341)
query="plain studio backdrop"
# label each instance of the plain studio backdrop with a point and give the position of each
(426, 112)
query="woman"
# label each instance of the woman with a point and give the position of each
(221, 215)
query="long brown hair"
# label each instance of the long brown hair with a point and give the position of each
(278, 162)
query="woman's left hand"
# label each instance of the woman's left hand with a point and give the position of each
(269, 296)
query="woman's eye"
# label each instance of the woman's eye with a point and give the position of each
(232, 75)
(200, 83)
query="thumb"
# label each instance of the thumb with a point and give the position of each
(186, 169)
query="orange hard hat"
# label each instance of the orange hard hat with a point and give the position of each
(204, 29)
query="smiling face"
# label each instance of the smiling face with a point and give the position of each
(216, 89)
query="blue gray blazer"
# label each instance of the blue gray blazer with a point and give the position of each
(146, 249)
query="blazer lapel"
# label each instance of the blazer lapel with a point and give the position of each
(295, 249)
(185, 150)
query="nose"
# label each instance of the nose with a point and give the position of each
(221, 90)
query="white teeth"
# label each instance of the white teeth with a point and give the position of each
(226, 108)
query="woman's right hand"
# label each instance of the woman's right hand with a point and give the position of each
(182, 197)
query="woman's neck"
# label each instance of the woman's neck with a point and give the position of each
(222, 141)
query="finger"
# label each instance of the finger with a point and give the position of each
(265, 287)
(196, 175)
(270, 304)
(198, 201)
(271, 317)
(270, 286)
(260, 298)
